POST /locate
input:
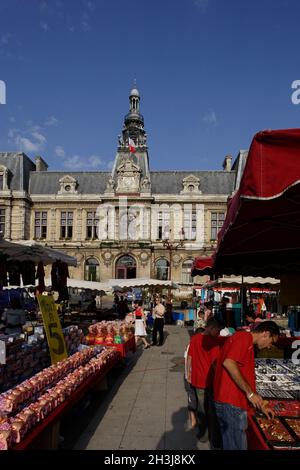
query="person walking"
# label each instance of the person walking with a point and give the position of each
(140, 324)
(203, 352)
(158, 325)
(234, 383)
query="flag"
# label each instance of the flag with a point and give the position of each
(131, 145)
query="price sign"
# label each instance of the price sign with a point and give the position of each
(55, 337)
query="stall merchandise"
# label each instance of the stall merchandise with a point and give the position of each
(109, 332)
(27, 354)
(22, 409)
(277, 378)
(278, 381)
(117, 334)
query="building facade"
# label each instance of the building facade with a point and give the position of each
(115, 223)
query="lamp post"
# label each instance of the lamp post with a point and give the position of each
(171, 246)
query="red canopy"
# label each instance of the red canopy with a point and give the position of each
(261, 232)
(202, 265)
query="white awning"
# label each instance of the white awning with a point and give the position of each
(247, 281)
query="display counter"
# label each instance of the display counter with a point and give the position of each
(49, 424)
(123, 348)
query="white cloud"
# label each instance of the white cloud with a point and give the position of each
(26, 145)
(76, 162)
(95, 161)
(12, 119)
(60, 152)
(110, 165)
(39, 137)
(85, 26)
(210, 118)
(44, 6)
(201, 4)
(51, 121)
(44, 26)
(28, 140)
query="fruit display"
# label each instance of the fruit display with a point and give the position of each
(32, 402)
(109, 332)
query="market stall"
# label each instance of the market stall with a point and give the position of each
(277, 381)
(116, 334)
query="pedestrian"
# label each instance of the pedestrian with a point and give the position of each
(140, 324)
(203, 353)
(234, 382)
(158, 325)
(208, 311)
(190, 390)
(122, 308)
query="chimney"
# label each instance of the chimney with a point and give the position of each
(40, 164)
(227, 163)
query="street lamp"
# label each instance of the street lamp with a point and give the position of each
(171, 246)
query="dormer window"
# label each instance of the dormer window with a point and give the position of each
(68, 185)
(191, 184)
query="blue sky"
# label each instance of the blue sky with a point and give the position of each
(211, 73)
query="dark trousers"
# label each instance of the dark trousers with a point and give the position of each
(158, 326)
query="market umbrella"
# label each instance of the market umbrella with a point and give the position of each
(142, 282)
(247, 281)
(29, 250)
(202, 265)
(261, 232)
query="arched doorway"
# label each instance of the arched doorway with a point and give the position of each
(126, 267)
(162, 269)
(92, 271)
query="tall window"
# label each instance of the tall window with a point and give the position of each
(92, 270)
(217, 220)
(2, 222)
(40, 224)
(1, 181)
(162, 269)
(186, 277)
(66, 224)
(190, 225)
(91, 225)
(163, 225)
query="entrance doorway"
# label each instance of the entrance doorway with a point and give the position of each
(126, 267)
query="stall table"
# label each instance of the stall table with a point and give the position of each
(50, 422)
(123, 348)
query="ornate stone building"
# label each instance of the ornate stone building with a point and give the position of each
(115, 222)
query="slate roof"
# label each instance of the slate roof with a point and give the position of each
(211, 182)
(19, 166)
(47, 182)
(162, 182)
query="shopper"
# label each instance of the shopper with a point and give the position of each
(158, 325)
(190, 390)
(203, 353)
(234, 382)
(140, 324)
(122, 308)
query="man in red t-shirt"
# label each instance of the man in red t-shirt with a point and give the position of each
(234, 382)
(203, 353)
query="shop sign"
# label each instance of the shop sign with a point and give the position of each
(55, 337)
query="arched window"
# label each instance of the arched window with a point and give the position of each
(186, 277)
(162, 269)
(126, 267)
(92, 270)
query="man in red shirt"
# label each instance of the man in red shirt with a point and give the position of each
(203, 353)
(234, 382)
